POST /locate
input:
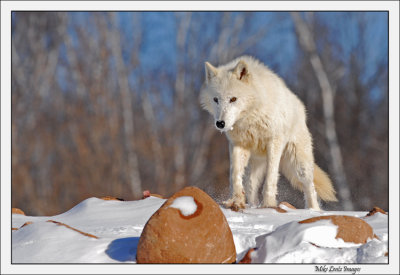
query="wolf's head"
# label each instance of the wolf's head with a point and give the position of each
(226, 93)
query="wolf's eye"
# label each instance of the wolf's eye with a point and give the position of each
(233, 99)
(216, 100)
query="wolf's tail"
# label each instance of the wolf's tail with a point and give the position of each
(323, 185)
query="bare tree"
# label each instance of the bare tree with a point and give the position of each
(306, 40)
(127, 108)
(92, 117)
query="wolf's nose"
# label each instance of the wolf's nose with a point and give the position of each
(220, 124)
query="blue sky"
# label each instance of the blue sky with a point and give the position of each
(279, 44)
(278, 48)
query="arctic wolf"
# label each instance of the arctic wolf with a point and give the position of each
(265, 124)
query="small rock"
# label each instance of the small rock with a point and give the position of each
(281, 207)
(109, 198)
(280, 210)
(375, 210)
(284, 204)
(350, 229)
(17, 211)
(146, 194)
(187, 233)
(247, 258)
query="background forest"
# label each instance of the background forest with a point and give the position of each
(106, 103)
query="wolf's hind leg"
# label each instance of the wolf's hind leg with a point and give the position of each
(274, 152)
(297, 165)
(257, 172)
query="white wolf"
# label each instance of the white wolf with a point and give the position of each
(266, 127)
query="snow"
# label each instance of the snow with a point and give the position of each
(295, 243)
(186, 205)
(118, 225)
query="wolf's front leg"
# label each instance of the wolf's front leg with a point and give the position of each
(274, 153)
(257, 172)
(239, 158)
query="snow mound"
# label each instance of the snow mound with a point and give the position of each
(119, 224)
(186, 205)
(289, 237)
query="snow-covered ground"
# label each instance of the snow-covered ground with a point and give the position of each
(118, 225)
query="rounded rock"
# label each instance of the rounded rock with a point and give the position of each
(350, 229)
(202, 236)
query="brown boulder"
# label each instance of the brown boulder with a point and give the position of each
(188, 228)
(350, 229)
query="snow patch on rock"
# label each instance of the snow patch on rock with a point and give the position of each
(186, 205)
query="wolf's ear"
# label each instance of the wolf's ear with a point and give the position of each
(211, 71)
(241, 71)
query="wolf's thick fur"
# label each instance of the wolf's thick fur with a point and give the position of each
(266, 127)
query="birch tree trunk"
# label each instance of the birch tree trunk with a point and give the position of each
(307, 43)
(127, 111)
(183, 21)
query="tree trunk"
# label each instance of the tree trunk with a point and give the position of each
(307, 43)
(127, 111)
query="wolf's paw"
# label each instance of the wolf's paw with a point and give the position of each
(235, 205)
(269, 203)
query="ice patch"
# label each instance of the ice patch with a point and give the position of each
(185, 204)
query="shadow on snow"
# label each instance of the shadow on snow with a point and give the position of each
(123, 249)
